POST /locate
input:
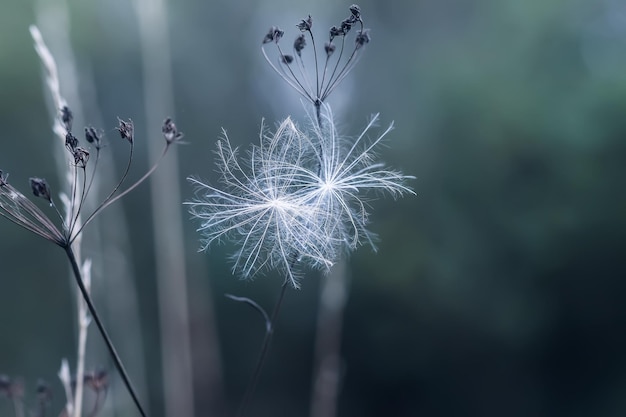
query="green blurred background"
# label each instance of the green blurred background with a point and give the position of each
(498, 290)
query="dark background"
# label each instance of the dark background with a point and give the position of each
(498, 290)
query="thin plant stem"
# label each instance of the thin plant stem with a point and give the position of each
(91, 179)
(64, 376)
(94, 314)
(318, 112)
(256, 306)
(269, 332)
(172, 282)
(327, 376)
(317, 75)
(83, 326)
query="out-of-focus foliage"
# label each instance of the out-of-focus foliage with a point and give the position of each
(499, 290)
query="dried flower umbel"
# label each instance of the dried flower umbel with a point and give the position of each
(65, 226)
(19, 209)
(330, 67)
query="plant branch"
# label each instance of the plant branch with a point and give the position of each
(256, 306)
(92, 310)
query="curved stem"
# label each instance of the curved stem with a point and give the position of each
(317, 74)
(263, 353)
(256, 306)
(107, 340)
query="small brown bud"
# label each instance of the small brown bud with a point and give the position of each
(299, 44)
(286, 59)
(170, 131)
(71, 141)
(346, 25)
(305, 24)
(334, 32)
(67, 117)
(40, 188)
(329, 48)
(126, 129)
(81, 156)
(356, 11)
(273, 35)
(92, 136)
(362, 37)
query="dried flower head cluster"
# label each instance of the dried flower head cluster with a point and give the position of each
(19, 209)
(330, 67)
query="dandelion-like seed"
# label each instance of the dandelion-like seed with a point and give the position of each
(297, 198)
(260, 206)
(344, 175)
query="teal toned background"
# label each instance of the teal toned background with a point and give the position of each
(498, 290)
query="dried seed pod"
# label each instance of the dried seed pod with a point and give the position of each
(170, 131)
(273, 35)
(40, 188)
(305, 24)
(66, 118)
(126, 129)
(299, 44)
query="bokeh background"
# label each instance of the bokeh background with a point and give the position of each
(498, 290)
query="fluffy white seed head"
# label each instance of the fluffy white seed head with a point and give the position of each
(296, 199)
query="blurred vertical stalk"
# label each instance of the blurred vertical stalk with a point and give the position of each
(176, 359)
(59, 14)
(53, 18)
(327, 372)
